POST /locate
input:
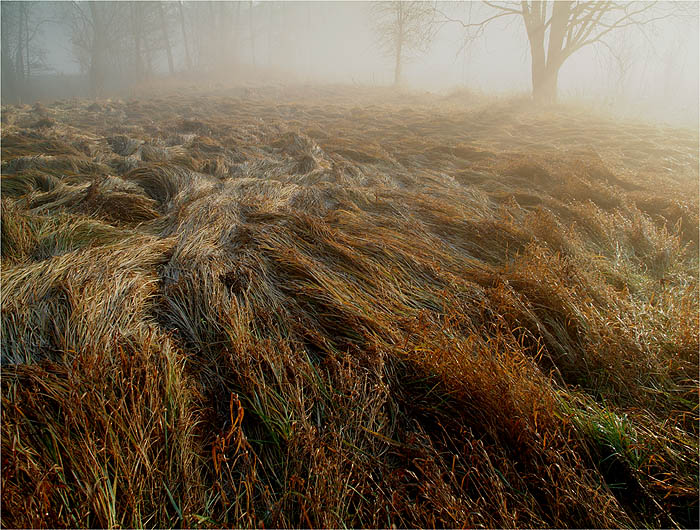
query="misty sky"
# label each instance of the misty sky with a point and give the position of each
(334, 42)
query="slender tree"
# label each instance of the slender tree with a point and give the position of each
(181, 13)
(9, 73)
(94, 34)
(403, 28)
(137, 32)
(97, 50)
(166, 40)
(252, 31)
(22, 56)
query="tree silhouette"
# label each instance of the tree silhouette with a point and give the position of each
(22, 55)
(558, 29)
(402, 28)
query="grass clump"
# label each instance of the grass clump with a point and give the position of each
(84, 451)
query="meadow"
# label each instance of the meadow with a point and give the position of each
(336, 307)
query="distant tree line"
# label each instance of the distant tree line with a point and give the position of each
(21, 56)
(122, 43)
(119, 44)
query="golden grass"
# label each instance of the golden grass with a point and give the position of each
(330, 310)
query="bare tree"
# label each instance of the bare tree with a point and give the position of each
(94, 33)
(136, 26)
(166, 40)
(618, 62)
(181, 17)
(558, 29)
(22, 56)
(252, 31)
(403, 28)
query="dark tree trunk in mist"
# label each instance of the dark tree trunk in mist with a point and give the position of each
(399, 42)
(270, 20)
(149, 62)
(19, 57)
(26, 41)
(226, 18)
(136, 30)
(252, 32)
(237, 36)
(97, 66)
(398, 64)
(188, 59)
(9, 90)
(22, 55)
(545, 67)
(164, 29)
(9, 74)
(213, 43)
(544, 86)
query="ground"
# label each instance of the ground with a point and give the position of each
(346, 307)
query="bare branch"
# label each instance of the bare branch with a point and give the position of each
(558, 30)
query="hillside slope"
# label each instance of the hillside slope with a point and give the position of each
(276, 308)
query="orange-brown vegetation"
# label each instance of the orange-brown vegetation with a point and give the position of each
(335, 308)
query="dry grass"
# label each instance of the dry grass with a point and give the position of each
(330, 310)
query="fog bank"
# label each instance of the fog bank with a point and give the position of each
(59, 50)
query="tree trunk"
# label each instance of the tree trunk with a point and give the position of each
(9, 74)
(545, 66)
(270, 20)
(26, 40)
(252, 33)
(236, 41)
(557, 31)
(225, 41)
(535, 34)
(545, 90)
(544, 84)
(149, 62)
(136, 29)
(164, 28)
(398, 65)
(96, 53)
(399, 42)
(19, 56)
(188, 59)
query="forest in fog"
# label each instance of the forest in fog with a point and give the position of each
(56, 50)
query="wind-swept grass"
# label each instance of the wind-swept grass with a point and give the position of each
(371, 316)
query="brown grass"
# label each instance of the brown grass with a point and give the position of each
(328, 310)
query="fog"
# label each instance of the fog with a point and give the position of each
(648, 70)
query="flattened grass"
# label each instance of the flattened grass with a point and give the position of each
(457, 327)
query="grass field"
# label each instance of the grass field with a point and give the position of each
(339, 308)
